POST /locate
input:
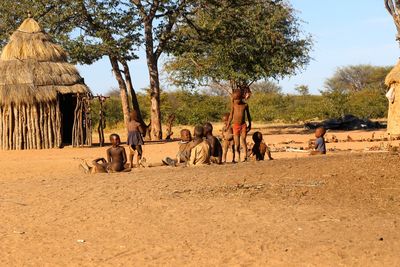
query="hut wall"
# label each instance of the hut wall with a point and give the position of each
(394, 113)
(36, 126)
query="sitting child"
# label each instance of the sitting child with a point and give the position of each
(135, 139)
(116, 159)
(183, 155)
(259, 148)
(227, 139)
(319, 148)
(215, 145)
(200, 153)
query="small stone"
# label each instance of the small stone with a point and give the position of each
(19, 232)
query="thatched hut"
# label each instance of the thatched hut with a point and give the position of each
(43, 99)
(393, 82)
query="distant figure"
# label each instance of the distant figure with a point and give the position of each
(238, 113)
(200, 153)
(259, 148)
(227, 139)
(215, 145)
(319, 148)
(116, 159)
(135, 139)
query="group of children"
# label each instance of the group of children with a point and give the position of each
(203, 148)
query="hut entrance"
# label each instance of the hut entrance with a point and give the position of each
(67, 108)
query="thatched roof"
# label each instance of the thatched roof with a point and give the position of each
(33, 69)
(394, 75)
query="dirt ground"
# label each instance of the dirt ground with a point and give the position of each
(334, 210)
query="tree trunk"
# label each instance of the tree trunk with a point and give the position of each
(156, 129)
(122, 88)
(152, 64)
(131, 90)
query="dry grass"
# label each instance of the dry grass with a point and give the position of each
(33, 69)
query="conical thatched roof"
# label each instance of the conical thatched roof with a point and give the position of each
(394, 75)
(33, 69)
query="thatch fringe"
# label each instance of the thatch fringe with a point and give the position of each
(33, 69)
(394, 75)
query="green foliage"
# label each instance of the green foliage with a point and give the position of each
(266, 87)
(302, 89)
(112, 110)
(357, 78)
(190, 108)
(357, 90)
(240, 41)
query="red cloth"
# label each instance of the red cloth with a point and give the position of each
(239, 129)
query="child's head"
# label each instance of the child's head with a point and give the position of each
(237, 95)
(257, 137)
(320, 132)
(208, 128)
(198, 132)
(225, 117)
(133, 115)
(115, 140)
(186, 135)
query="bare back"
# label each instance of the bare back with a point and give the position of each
(133, 126)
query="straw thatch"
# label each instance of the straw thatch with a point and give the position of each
(33, 69)
(394, 75)
(34, 73)
(393, 81)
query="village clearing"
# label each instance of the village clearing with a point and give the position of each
(342, 209)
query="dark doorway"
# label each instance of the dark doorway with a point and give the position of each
(67, 108)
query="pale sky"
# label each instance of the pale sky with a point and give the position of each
(345, 32)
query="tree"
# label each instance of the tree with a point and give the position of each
(239, 42)
(266, 87)
(357, 78)
(393, 7)
(158, 18)
(88, 30)
(302, 89)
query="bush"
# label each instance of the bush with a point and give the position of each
(191, 108)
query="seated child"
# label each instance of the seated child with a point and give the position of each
(237, 116)
(215, 145)
(183, 155)
(319, 148)
(227, 139)
(200, 153)
(259, 148)
(135, 139)
(116, 159)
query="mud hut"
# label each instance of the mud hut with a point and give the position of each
(393, 82)
(43, 99)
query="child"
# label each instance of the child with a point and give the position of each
(116, 159)
(227, 139)
(319, 148)
(135, 139)
(215, 145)
(259, 148)
(200, 153)
(183, 155)
(238, 113)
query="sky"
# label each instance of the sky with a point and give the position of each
(345, 32)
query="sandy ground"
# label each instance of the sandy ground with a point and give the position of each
(334, 210)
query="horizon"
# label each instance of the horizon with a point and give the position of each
(356, 33)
